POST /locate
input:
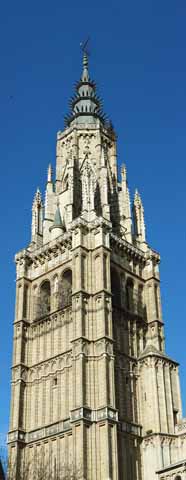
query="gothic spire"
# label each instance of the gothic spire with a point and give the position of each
(139, 222)
(37, 217)
(58, 225)
(85, 105)
(126, 221)
(57, 219)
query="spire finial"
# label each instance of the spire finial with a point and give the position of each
(124, 172)
(85, 60)
(84, 48)
(85, 105)
(139, 222)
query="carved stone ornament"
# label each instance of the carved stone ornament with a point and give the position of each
(88, 179)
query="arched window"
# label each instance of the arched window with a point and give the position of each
(178, 477)
(66, 288)
(140, 300)
(45, 298)
(115, 288)
(129, 294)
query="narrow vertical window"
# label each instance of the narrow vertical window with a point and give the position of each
(25, 301)
(156, 301)
(66, 289)
(45, 298)
(140, 299)
(129, 294)
(115, 288)
(105, 271)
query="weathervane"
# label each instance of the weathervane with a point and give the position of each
(84, 47)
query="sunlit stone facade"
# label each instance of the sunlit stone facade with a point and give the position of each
(92, 386)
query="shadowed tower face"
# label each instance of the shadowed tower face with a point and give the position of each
(92, 387)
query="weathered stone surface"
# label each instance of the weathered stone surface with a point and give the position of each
(91, 382)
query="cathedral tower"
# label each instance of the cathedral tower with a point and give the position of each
(92, 386)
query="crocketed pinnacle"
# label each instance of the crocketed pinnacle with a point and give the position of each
(85, 104)
(37, 198)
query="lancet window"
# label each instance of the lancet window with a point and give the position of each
(129, 294)
(140, 300)
(45, 298)
(25, 301)
(66, 289)
(115, 288)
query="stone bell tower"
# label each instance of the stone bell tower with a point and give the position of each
(92, 387)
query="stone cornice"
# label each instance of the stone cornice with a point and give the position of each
(46, 251)
(127, 247)
(181, 463)
(133, 250)
(159, 358)
(82, 413)
(51, 249)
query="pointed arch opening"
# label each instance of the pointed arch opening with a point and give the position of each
(66, 289)
(140, 300)
(45, 298)
(115, 288)
(129, 294)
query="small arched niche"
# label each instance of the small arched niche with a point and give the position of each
(66, 288)
(45, 298)
(115, 288)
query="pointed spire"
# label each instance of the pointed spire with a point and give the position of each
(37, 216)
(124, 173)
(57, 223)
(137, 197)
(37, 197)
(126, 220)
(49, 173)
(85, 104)
(57, 218)
(139, 222)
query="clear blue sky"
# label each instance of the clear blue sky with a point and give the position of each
(138, 53)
